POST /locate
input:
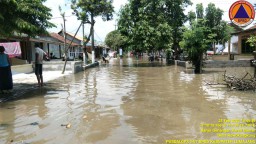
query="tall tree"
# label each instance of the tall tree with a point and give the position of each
(153, 24)
(191, 17)
(87, 10)
(114, 39)
(174, 14)
(214, 21)
(196, 42)
(199, 11)
(24, 16)
(204, 31)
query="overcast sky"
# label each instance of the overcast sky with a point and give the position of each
(103, 28)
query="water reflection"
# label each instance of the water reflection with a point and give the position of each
(125, 101)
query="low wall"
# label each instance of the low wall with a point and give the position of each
(185, 64)
(217, 64)
(25, 68)
(91, 65)
(226, 58)
(76, 66)
(228, 63)
(56, 66)
(16, 61)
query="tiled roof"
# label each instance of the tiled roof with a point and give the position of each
(61, 38)
(72, 35)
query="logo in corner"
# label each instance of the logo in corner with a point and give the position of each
(241, 13)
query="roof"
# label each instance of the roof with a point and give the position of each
(249, 30)
(61, 38)
(252, 28)
(236, 28)
(72, 35)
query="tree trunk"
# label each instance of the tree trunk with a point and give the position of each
(198, 65)
(214, 48)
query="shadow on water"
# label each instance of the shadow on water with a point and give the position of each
(22, 91)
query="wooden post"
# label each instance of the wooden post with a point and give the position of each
(229, 41)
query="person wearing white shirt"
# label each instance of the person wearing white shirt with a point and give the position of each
(39, 53)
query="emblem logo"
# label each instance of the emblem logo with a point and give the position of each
(242, 13)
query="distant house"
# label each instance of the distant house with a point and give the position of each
(27, 47)
(243, 47)
(76, 49)
(233, 40)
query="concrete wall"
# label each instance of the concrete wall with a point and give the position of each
(216, 63)
(185, 64)
(76, 66)
(229, 63)
(16, 61)
(226, 58)
(26, 68)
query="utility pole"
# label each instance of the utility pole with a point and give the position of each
(84, 49)
(93, 52)
(65, 40)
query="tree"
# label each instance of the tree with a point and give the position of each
(191, 17)
(114, 39)
(174, 14)
(153, 24)
(204, 31)
(196, 42)
(199, 11)
(214, 21)
(24, 16)
(87, 10)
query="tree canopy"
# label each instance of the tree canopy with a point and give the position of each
(153, 24)
(114, 39)
(87, 10)
(204, 31)
(29, 17)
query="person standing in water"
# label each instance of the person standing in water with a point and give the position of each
(39, 55)
(6, 83)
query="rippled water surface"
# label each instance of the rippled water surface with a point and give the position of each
(124, 102)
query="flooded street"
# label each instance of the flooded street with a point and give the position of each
(127, 102)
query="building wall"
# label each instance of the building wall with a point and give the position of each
(242, 36)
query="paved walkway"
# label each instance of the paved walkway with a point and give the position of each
(23, 83)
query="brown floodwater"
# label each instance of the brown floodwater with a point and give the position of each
(129, 102)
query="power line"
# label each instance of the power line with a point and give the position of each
(98, 36)
(61, 17)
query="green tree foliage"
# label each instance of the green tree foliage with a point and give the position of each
(203, 32)
(87, 10)
(174, 14)
(191, 17)
(153, 24)
(115, 40)
(252, 41)
(196, 43)
(30, 17)
(199, 11)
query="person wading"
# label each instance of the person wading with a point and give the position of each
(6, 83)
(39, 53)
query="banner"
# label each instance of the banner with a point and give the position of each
(12, 48)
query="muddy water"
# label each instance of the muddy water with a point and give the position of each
(126, 102)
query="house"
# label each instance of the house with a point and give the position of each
(243, 46)
(232, 45)
(76, 49)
